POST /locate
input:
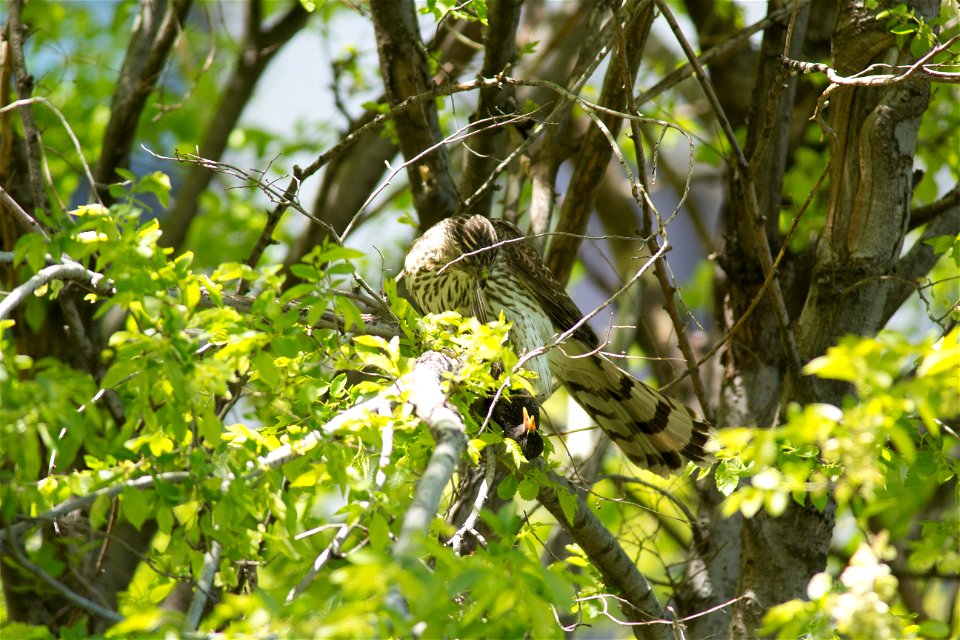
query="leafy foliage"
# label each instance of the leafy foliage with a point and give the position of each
(253, 424)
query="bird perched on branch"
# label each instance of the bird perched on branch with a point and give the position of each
(481, 267)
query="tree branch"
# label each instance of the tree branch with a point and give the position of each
(918, 261)
(681, 73)
(70, 271)
(27, 221)
(500, 48)
(211, 563)
(258, 49)
(430, 405)
(606, 554)
(947, 204)
(744, 183)
(155, 29)
(640, 188)
(13, 546)
(24, 89)
(405, 74)
(596, 148)
(490, 465)
(351, 175)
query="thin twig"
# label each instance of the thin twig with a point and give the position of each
(865, 78)
(649, 212)
(474, 128)
(86, 604)
(73, 138)
(767, 281)
(27, 221)
(91, 356)
(617, 569)
(333, 549)
(558, 341)
(744, 181)
(490, 465)
(681, 73)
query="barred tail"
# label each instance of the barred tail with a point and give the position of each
(654, 431)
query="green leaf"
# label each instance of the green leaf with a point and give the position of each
(305, 272)
(308, 478)
(296, 291)
(157, 183)
(209, 426)
(375, 342)
(568, 502)
(165, 519)
(135, 506)
(726, 478)
(191, 294)
(934, 629)
(507, 487)
(265, 367)
(348, 312)
(32, 249)
(187, 513)
(126, 174)
(98, 511)
(379, 531)
(335, 252)
(528, 488)
(832, 367)
(338, 385)
(159, 444)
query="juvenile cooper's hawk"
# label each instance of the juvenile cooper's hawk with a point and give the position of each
(479, 267)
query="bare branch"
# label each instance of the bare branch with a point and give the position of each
(430, 404)
(599, 142)
(927, 213)
(24, 89)
(919, 70)
(640, 190)
(405, 74)
(705, 84)
(736, 40)
(490, 466)
(258, 49)
(69, 271)
(73, 138)
(211, 563)
(13, 546)
(155, 30)
(79, 336)
(748, 198)
(500, 48)
(918, 261)
(767, 282)
(27, 221)
(606, 554)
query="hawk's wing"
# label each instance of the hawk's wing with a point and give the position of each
(541, 285)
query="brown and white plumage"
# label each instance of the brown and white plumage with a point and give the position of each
(481, 267)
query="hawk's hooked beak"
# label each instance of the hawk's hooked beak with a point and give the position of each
(479, 311)
(529, 423)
